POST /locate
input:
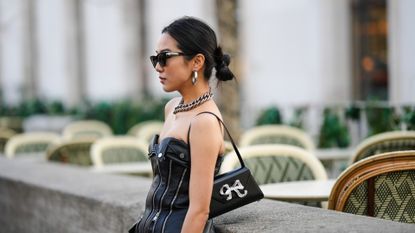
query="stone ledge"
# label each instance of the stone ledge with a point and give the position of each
(50, 197)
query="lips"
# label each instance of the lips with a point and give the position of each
(162, 79)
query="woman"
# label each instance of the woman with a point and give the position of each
(186, 155)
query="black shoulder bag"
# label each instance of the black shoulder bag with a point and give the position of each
(235, 188)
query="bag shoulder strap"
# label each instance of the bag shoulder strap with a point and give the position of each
(227, 132)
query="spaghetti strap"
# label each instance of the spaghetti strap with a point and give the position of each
(235, 148)
(190, 125)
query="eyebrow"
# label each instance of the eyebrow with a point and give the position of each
(164, 50)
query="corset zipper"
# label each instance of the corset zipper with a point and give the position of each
(153, 222)
(174, 199)
(154, 196)
(137, 224)
(162, 197)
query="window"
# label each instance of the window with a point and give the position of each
(369, 31)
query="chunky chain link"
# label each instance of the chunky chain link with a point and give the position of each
(187, 107)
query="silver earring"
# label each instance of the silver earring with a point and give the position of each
(194, 77)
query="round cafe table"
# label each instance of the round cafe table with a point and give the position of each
(310, 190)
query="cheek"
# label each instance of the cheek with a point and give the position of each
(175, 79)
(178, 76)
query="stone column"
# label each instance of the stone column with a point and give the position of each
(401, 49)
(76, 51)
(134, 17)
(30, 51)
(1, 57)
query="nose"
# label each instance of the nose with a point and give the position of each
(158, 67)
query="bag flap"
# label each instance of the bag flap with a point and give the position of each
(232, 185)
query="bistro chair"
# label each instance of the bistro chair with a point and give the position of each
(30, 143)
(116, 150)
(274, 163)
(12, 122)
(384, 142)
(271, 163)
(277, 134)
(86, 129)
(73, 152)
(146, 130)
(5, 135)
(228, 147)
(381, 186)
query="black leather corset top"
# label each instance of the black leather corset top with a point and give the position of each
(168, 199)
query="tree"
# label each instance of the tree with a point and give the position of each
(229, 101)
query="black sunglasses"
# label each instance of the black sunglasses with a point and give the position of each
(162, 57)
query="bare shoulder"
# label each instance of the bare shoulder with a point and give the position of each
(206, 121)
(206, 128)
(169, 107)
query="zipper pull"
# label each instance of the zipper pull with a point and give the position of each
(156, 217)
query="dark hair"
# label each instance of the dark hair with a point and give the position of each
(194, 36)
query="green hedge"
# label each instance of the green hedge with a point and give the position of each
(120, 116)
(334, 131)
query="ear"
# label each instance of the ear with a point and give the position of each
(198, 61)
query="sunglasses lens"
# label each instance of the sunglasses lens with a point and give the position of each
(162, 57)
(153, 60)
(159, 58)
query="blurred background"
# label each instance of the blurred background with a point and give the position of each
(341, 70)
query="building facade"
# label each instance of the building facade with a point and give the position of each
(291, 52)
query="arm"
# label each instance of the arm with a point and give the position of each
(205, 128)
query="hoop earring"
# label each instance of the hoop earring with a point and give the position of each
(194, 77)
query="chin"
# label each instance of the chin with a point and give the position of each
(166, 89)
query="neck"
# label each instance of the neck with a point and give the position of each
(194, 92)
(184, 107)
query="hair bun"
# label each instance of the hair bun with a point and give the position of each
(226, 59)
(222, 61)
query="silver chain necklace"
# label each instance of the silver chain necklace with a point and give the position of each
(187, 107)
